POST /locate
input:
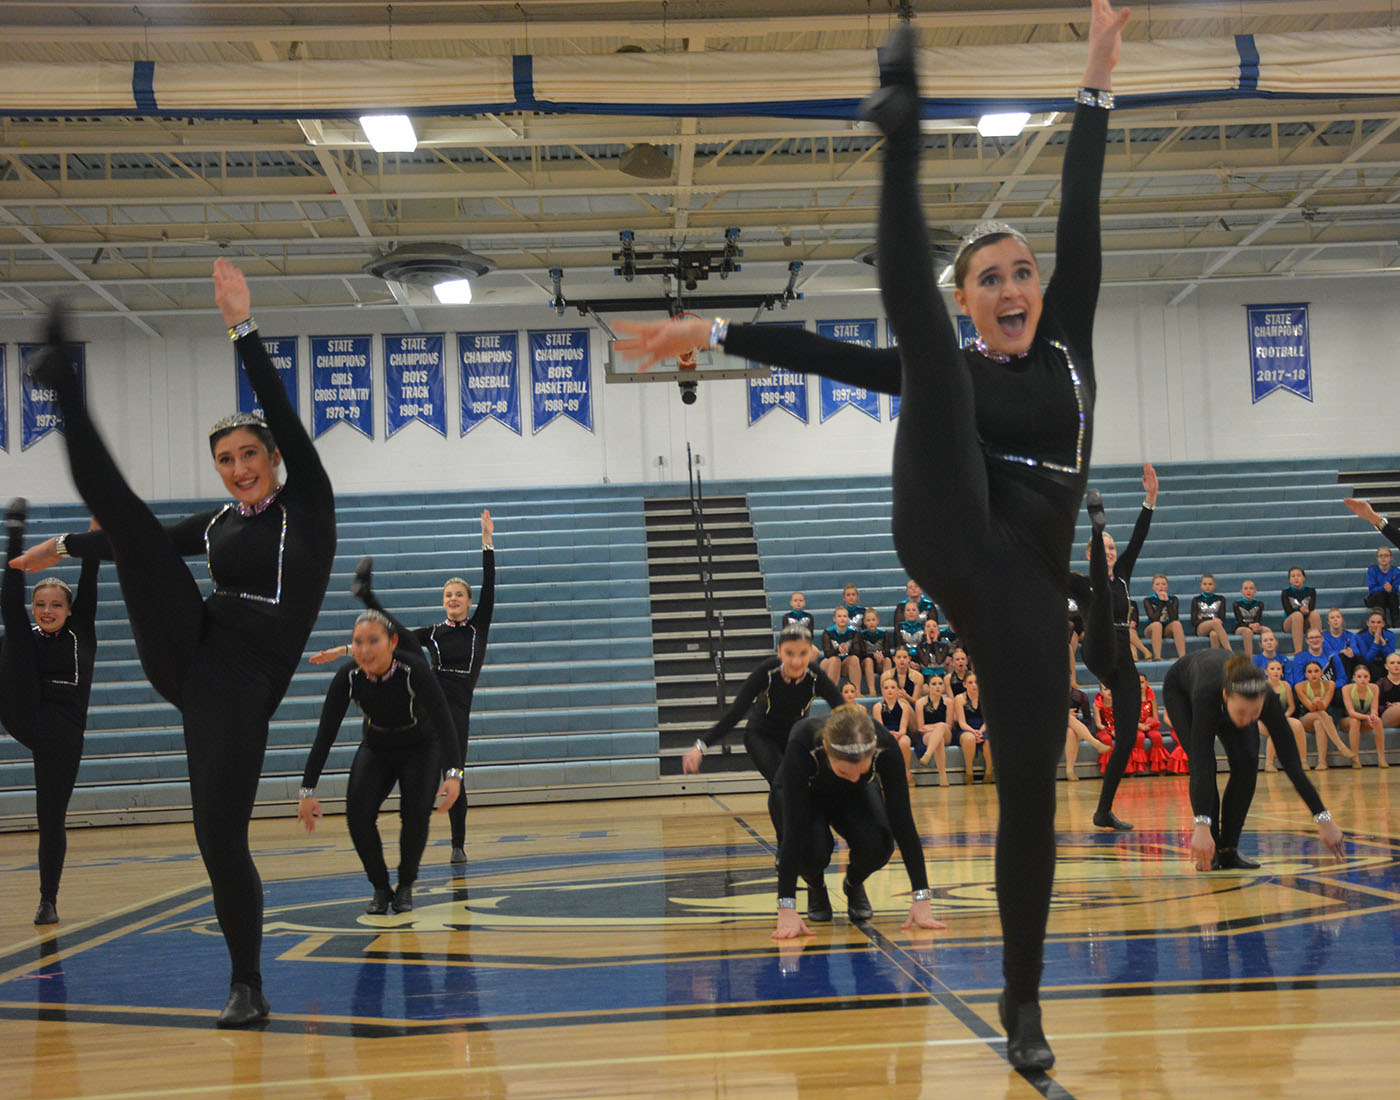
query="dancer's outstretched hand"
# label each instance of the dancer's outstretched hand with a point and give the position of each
(790, 926)
(653, 341)
(231, 292)
(488, 527)
(308, 810)
(448, 792)
(921, 916)
(1202, 848)
(1149, 484)
(1364, 510)
(326, 656)
(37, 558)
(1330, 833)
(1105, 43)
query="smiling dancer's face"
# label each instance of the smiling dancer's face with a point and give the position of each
(1001, 294)
(248, 469)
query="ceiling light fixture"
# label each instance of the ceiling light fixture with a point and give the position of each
(1008, 124)
(390, 133)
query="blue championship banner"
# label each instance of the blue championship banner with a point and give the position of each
(782, 389)
(340, 384)
(1279, 358)
(967, 336)
(413, 381)
(38, 404)
(282, 350)
(836, 396)
(560, 365)
(490, 367)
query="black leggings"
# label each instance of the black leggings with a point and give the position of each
(461, 712)
(51, 732)
(1109, 655)
(862, 822)
(962, 526)
(372, 776)
(765, 745)
(225, 682)
(1241, 751)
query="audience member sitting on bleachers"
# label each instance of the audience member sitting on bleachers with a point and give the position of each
(958, 669)
(803, 618)
(1389, 686)
(1268, 651)
(1150, 729)
(841, 648)
(874, 650)
(909, 680)
(1083, 724)
(972, 728)
(935, 720)
(1208, 614)
(850, 599)
(1382, 586)
(1273, 669)
(1299, 603)
(1375, 644)
(913, 592)
(1362, 701)
(849, 693)
(908, 629)
(1249, 617)
(897, 716)
(1075, 616)
(1339, 640)
(933, 652)
(1163, 617)
(1333, 670)
(1314, 694)
(1109, 733)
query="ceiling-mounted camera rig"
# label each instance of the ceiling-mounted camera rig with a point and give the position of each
(683, 269)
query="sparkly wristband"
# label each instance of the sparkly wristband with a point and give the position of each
(1149, 506)
(487, 546)
(699, 745)
(1323, 815)
(306, 792)
(455, 773)
(1204, 819)
(1094, 97)
(923, 895)
(60, 546)
(242, 329)
(719, 329)
(787, 903)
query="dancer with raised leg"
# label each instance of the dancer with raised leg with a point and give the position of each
(45, 682)
(1016, 414)
(1108, 652)
(224, 662)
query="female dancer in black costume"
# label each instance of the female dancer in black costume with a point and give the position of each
(457, 648)
(225, 663)
(774, 696)
(407, 737)
(1016, 412)
(45, 681)
(1103, 598)
(1210, 694)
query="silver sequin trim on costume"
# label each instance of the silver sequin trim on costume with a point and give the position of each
(1046, 464)
(44, 633)
(276, 597)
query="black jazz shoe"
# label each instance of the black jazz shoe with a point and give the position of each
(379, 904)
(48, 912)
(403, 898)
(459, 854)
(858, 907)
(1026, 1045)
(362, 585)
(1109, 820)
(246, 1005)
(894, 107)
(1229, 859)
(818, 904)
(16, 512)
(1093, 504)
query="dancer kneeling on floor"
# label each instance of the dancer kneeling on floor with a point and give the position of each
(844, 774)
(1210, 694)
(407, 732)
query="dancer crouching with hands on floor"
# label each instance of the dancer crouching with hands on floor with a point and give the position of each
(844, 774)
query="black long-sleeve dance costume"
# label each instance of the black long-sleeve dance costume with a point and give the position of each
(45, 682)
(1107, 649)
(457, 651)
(408, 736)
(1013, 457)
(773, 704)
(225, 662)
(809, 800)
(1192, 692)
